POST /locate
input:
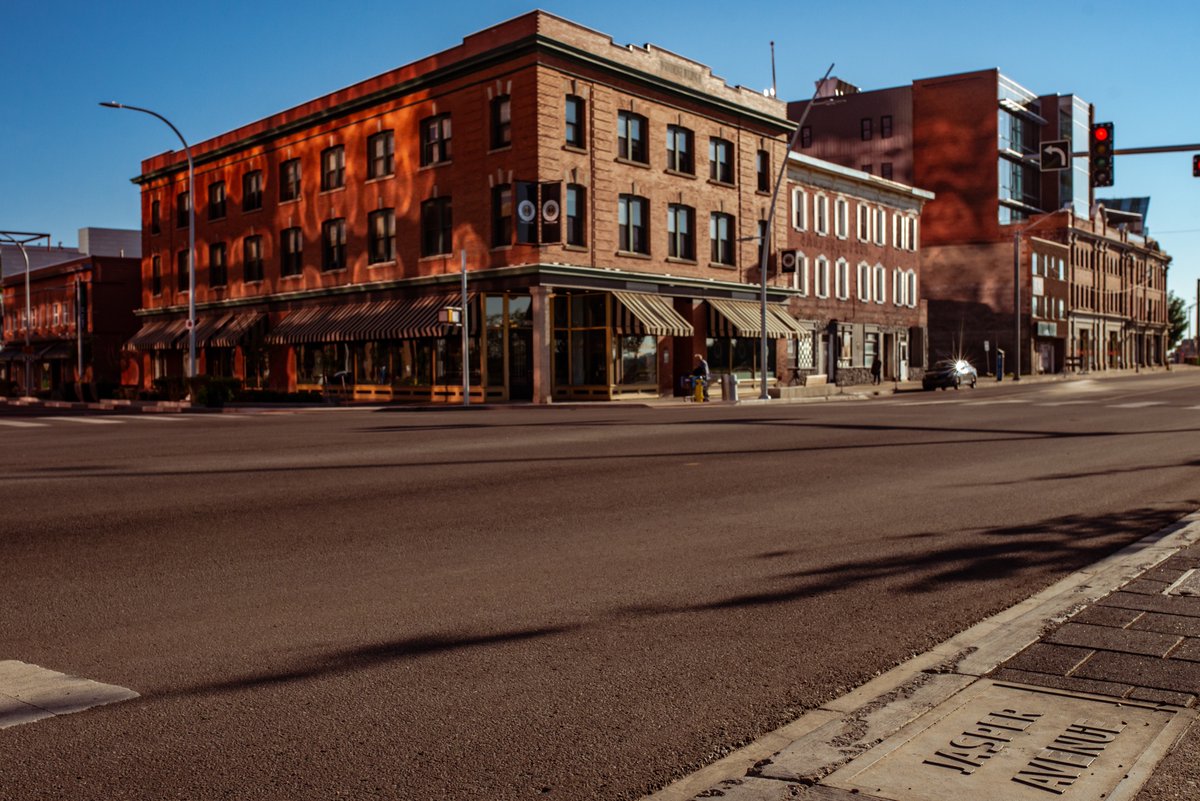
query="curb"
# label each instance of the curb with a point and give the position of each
(826, 738)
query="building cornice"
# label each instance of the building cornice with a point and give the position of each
(538, 44)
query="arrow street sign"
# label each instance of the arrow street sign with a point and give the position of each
(1055, 155)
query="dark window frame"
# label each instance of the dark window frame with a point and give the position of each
(576, 199)
(181, 271)
(502, 215)
(575, 130)
(762, 167)
(866, 128)
(722, 250)
(156, 276)
(437, 227)
(290, 180)
(181, 210)
(252, 262)
(218, 268)
(630, 147)
(720, 160)
(501, 121)
(333, 168)
(806, 137)
(631, 237)
(252, 195)
(333, 245)
(291, 259)
(885, 126)
(681, 160)
(216, 200)
(155, 217)
(381, 244)
(435, 149)
(681, 244)
(381, 161)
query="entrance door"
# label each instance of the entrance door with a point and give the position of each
(520, 364)
(520, 348)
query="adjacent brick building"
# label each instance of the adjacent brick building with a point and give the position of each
(855, 237)
(610, 201)
(81, 312)
(973, 139)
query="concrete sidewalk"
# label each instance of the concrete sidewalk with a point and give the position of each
(1087, 690)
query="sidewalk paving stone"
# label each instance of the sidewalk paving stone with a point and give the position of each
(1171, 605)
(1148, 643)
(1168, 624)
(1042, 657)
(1112, 616)
(1190, 651)
(1060, 682)
(1142, 671)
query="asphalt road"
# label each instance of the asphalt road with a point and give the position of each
(572, 603)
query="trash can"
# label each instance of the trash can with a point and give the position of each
(729, 383)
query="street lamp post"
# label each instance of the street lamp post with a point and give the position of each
(20, 239)
(191, 371)
(765, 246)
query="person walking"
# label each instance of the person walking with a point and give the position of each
(876, 369)
(701, 373)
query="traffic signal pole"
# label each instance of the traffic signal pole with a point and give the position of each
(1139, 151)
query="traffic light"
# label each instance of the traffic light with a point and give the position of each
(1100, 154)
(1196, 166)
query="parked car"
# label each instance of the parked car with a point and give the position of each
(950, 373)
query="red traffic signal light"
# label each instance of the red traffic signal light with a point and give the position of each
(1100, 154)
(1196, 165)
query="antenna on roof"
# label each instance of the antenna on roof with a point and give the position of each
(773, 93)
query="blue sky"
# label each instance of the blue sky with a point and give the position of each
(213, 66)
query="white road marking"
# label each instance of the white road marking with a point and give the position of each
(1141, 405)
(1068, 403)
(21, 424)
(29, 693)
(158, 418)
(96, 421)
(997, 402)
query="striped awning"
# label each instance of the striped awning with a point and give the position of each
(743, 318)
(231, 334)
(649, 314)
(206, 326)
(158, 334)
(389, 319)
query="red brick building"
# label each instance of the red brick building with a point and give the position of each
(973, 139)
(81, 311)
(855, 237)
(604, 196)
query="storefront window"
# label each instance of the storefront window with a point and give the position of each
(637, 360)
(317, 364)
(587, 358)
(412, 363)
(449, 362)
(739, 356)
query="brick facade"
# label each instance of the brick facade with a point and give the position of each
(556, 323)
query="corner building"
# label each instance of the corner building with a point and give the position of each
(607, 199)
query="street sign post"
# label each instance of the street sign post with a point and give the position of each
(1055, 155)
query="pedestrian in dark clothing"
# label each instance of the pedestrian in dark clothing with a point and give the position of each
(700, 373)
(876, 370)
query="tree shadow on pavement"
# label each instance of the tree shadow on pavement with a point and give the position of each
(1049, 548)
